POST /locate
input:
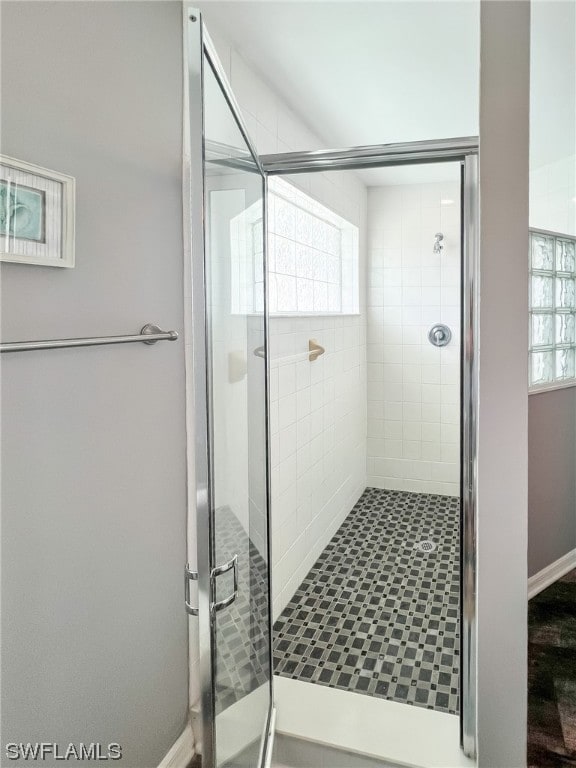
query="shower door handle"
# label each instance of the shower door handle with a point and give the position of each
(188, 577)
(231, 565)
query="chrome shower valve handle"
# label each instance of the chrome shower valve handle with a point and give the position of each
(439, 335)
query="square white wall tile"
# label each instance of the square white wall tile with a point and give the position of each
(413, 387)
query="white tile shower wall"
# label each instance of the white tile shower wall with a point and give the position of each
(318, 410)
(318, 418)
(413, 386)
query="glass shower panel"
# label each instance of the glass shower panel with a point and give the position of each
(234, 214)
(383, 398)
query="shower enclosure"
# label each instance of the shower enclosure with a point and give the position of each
(228, 380)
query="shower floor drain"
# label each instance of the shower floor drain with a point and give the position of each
(425, 546)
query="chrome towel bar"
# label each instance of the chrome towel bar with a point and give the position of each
(149, 334)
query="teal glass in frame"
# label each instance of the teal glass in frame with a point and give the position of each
(22, 212)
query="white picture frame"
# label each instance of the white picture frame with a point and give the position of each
(36, 214)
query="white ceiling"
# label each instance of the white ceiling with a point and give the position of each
(552, 81)
(374, 72)
(364, 72)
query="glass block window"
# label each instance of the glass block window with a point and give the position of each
(552, 309)
(312, 257)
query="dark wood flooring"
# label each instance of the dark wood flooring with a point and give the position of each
(552, 676)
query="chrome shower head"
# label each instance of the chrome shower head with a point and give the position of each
(438, 244)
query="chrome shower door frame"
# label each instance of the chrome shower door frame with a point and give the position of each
(465, 151)
(197, 46)
(462, 150)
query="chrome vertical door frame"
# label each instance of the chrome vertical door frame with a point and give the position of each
(267, 743)
(193, 51)
(469, 449)
(465, 151)
(198, 44)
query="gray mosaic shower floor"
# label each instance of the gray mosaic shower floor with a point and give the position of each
(375, 615)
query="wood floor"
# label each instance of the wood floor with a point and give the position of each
(552, 676)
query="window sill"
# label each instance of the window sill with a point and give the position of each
(538, 389)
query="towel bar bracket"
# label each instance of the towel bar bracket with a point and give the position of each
(148, 330)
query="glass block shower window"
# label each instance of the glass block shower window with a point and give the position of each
(552, 309)
(312, 257)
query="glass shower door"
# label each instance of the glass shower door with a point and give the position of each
(232, 465)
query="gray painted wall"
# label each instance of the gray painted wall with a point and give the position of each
(552, 415)
(94, 641)
(552, 477)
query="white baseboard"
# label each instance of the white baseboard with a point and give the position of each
(181, 752)
(551, 573)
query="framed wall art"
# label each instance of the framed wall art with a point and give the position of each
(36, 214)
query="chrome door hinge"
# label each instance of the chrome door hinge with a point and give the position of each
(188, 577)
(231, 565)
